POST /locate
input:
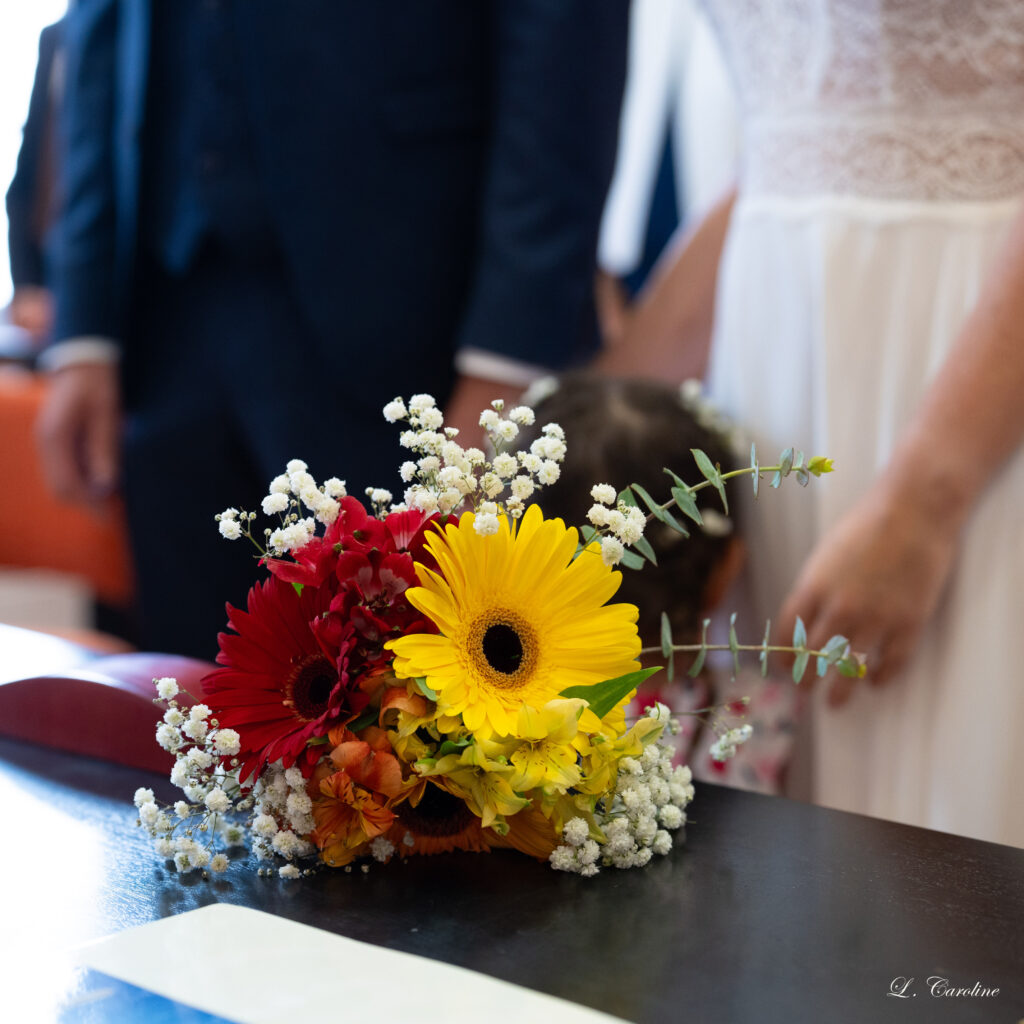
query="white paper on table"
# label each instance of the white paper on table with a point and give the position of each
(256, 968)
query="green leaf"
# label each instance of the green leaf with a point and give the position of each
(627, 497)
(368, 717)
(647, 499)
(698, 662)
(763, 656)
(643, 545)
(666, 647)
(734, 645)
(602, 697)
(427, 692)
(631, 560)
(687, 504)
(712, 474)
(297, 586)
(453, 746)
(800, 665)
(664, 516)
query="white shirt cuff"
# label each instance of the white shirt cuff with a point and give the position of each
(74, 351)
(477, 362)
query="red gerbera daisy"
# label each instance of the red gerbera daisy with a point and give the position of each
(279, 686)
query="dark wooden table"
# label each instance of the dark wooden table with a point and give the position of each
(771, 911)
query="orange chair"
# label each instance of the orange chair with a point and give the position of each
(37, 531)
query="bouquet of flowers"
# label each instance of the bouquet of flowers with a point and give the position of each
(446, 673)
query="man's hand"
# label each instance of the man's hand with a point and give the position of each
(78, 432)
(31, 309)
(470, 397)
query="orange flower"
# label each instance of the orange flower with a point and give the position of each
(352, 798)
(529, 832)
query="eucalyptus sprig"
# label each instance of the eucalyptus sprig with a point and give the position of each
(683, 496)
(836, 653)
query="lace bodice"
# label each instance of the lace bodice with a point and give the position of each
(890, 99)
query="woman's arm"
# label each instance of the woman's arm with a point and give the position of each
(669, 330)
(877, 576)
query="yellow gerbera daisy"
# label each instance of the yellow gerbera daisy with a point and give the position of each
(520, 620)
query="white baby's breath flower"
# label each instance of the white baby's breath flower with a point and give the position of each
(506, 430)
(505, 465)
(418, 403)
(335, 488)
(217, 801)
(228, 514)
(379, 495)
(182, 809)
(166, 688)
(289, 871)
(295, 466)
(143, 796)
(195, 729)
(229, 529)
(199, 758)
(227, 742)
(489, 419)
(407, 472)
(486, 524)
(395, 411)
(491, 485)
(576, 832)
(553, 430)
(168, 737)
(603, 493)
(549, 472)
(218, 863)
(598, 515)
(611, 551)
(522, 487)
(264, 825)
(523, 415)
(274, 503)
(431, 419)
(382, 849)
(172, 716)
(280, 485)
(198, 712)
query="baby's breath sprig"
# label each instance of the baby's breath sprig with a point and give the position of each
(635, 822)
(445, 477)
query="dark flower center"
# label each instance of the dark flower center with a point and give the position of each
(309, 686)
(502, 648)
(437, 814)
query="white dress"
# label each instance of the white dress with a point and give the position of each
(882, 162)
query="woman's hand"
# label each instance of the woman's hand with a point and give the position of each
(875, 577)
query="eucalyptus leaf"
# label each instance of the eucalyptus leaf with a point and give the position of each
(421, 682)
(627, 497)
(763, 656)
(799, 633)
(698, 662)
(756, 475)
(646, 498)
(631, 560)
(687, 504)
(800, 665)
(602, 697)
(643, 545)
(734, 645)
(713, 476)
(666, 647)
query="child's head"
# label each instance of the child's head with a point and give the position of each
(625, 432)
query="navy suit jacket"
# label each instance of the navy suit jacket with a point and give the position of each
(436, 168)
(28, 198)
